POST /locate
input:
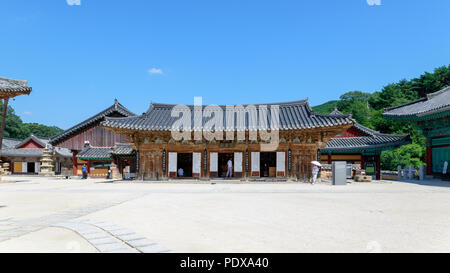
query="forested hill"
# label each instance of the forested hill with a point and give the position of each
(367, 109)
(15, 128)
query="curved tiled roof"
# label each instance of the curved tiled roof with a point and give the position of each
(39, 140)
(432, 103)
(374, 139)
(23, 152)
(115, 108)
(293, 116)
(367, 142)
(35, 152)
(96, 153)
(105, 153)
(121, 149)
(9, 143)
(11, 88)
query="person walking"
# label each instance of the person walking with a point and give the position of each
(315, 171)
(230, 168)
(84, 171)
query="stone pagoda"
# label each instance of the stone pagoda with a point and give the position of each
(47, 163)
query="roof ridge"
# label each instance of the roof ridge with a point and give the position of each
(21, 83)
(117, 106)
(432, 95)
(156, 104)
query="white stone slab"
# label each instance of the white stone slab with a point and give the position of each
(153, 249)
(141, 243)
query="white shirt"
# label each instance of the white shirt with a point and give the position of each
(230, 164)
(315, 170)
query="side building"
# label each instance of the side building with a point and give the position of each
(90, 144)
(302, 133)
(431, 115)
(361, 146)
(24, 156)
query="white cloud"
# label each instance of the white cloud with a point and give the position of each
(155, 71)
(73, 2)
(374, 2)
(28, 113)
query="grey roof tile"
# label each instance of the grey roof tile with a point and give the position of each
(123, 149)
(10, 85)
(106, 153)
(22, 152)
(11, 147)
(293, 116)
(432, 103)
(374, 139)
(34, 152)
(10, 143)
(366, 142)
(40, 140)
(95, 153)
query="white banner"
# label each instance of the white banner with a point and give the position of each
(213, 162)
(196, 163)
(237, 162)
(173, 162)
(281, 162)
(255, 162)
(24, 167)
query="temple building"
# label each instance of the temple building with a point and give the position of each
(431, 115)
(160, 155)
(25, 156)
(361, 146)
(91, 145)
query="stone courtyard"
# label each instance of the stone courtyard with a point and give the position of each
(55, 215)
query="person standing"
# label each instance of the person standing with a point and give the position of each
(315, 173)
(84, 171)
(180, 172)
(230, 168)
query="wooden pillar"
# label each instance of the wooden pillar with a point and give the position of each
(362, 162)
(2, 128)
(329, 159)
(74, 164)
(429, 160)
(378, 167)
(89, 167)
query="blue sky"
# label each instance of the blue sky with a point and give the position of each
(79, 58)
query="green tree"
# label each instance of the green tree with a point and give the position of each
(406, 155)
(367, 109)
(15, 128)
